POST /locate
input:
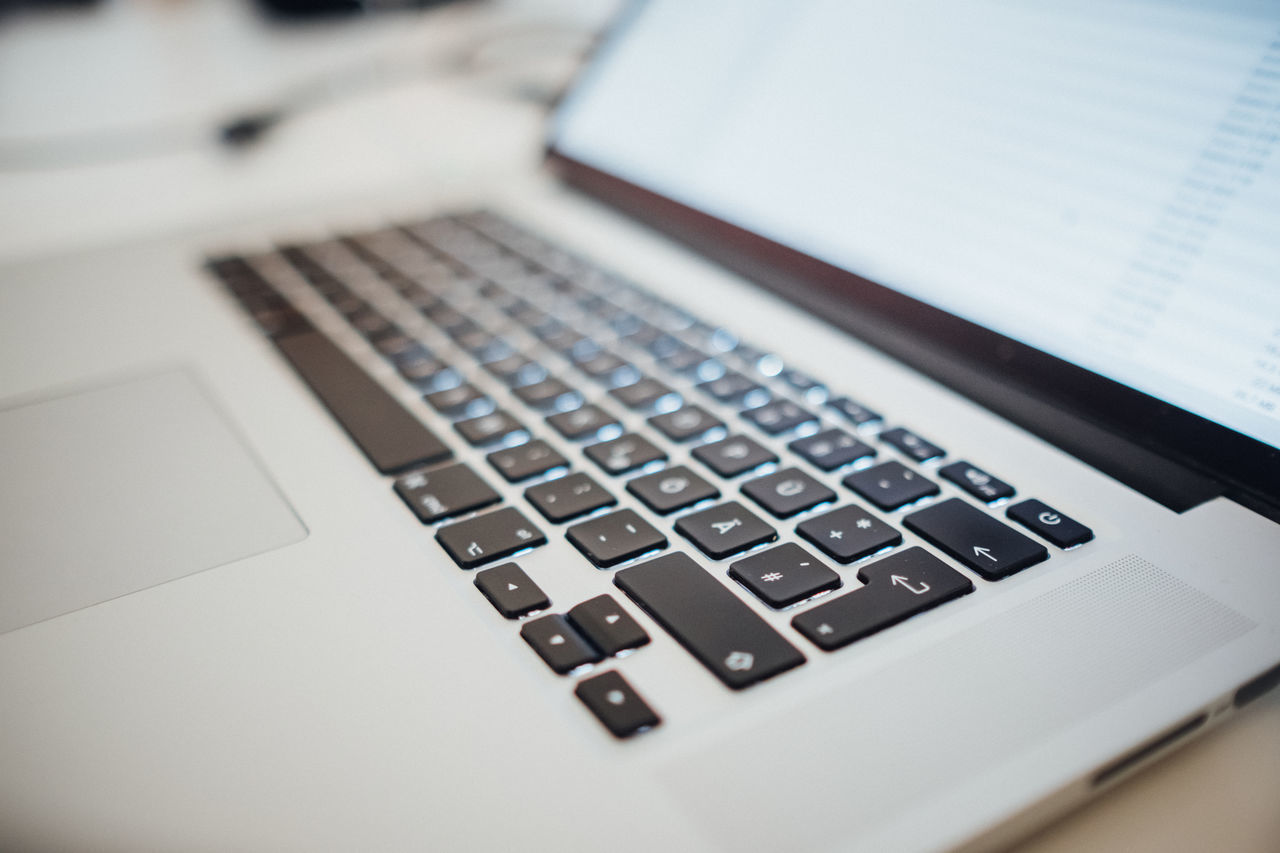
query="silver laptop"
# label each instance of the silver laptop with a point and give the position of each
(904, 477)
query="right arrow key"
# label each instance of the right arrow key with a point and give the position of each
(896, 587)
(989, 547)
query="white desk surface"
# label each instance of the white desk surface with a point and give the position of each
(177, 68)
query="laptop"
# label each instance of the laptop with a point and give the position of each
(860, 435)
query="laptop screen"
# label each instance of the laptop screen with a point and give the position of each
(1095, 180)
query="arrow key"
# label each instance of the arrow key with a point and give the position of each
(558, 643)
(989, 547)
(609, 628)
(510, 590)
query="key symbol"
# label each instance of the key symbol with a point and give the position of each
(686, 419)
(673, 485)
(789, 488)
(474, 549)
(905, 583)
(723, 527)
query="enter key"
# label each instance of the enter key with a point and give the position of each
(897, 587)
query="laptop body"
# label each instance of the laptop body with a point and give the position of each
(319, 672)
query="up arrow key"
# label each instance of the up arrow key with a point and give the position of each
(511, 591)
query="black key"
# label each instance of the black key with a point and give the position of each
(976, 482)
(490, 350)
(560, 337)
(611, 539)
(370, 323)
(778, 416)
(787, 492)
(672, 489)
(549, 393)
(584, 422)
(516, 370)
(855, 413)
(616, 704)
(784, 575)
(911, 444)
(609, 628)
(465, 399)
(510, 590)
(526, 460)
(389, 435)
(751, 355)
(831, 449)
(849, 533)
(427, 373)
(395, 344)
(489, 428)
(408, 355)
(733, 455)
(977, 540)
(641, 394)
(800, 381)
(685, 423)
(717, 628)
(685, 360)
(1048, 523)
(445, 492)
(723, 530)
(608, 368)
(568, 497)
(734, 388)
(897, 587)
(625, 453)
(557, 643)
(890, 485)
(665, 344)
(489, 537)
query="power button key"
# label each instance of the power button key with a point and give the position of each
(1047, 523)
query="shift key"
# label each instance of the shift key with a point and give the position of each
(717, 628)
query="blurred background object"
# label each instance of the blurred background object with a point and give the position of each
(198, 111)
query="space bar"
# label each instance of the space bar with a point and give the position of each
(389, 435)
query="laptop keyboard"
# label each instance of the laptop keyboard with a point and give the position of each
(608, 390)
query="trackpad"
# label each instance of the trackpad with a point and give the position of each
(118, 488)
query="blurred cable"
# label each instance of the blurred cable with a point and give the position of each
(504, 59)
